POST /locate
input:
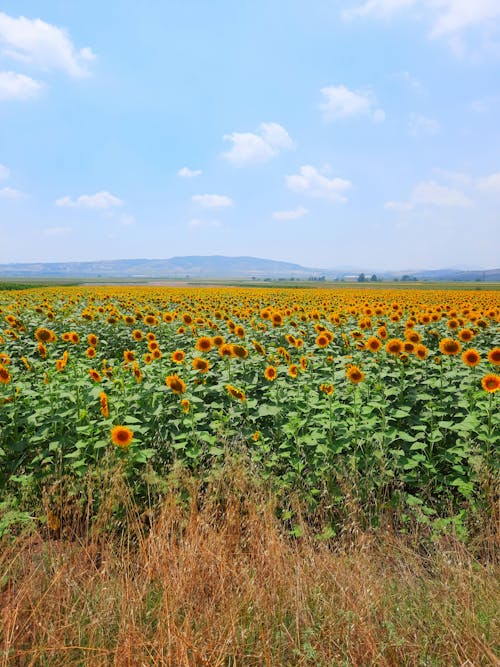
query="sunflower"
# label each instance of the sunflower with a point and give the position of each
(5, 376)
(326, 389)
(256, 436)
(355, 375)
(240, 332)
(150, 320)
(175, 383)
(95, 375)
(450, 346)
(185, 405)
(74, 338)
(394, 346)
(466, 335)
(121, 436)
(218, 341)
(277, 319)
(373, 344)
(150, 336)
(137, 372)
(177, 356)
(293, 370)
(270, 373)
(409, 347)
(90, 352)
(103, 401)
(157, 354)
(258, 348)
(421, 351)
(491, 382)
(471, 357)
(147, 358)
(187, 319)
(494, 356)
(303, 363)
(322, 340)
(226, 350)
(204, 344)
(201, 365)
(92, 340)
(239, 351)
(128, 356)
(44, 335)
(239, 394)
(42, 350)
(153, 345)
(413, 336)
(26, 363)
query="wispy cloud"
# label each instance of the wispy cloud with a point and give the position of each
(422, 126)
(430, 193)
(10, 193)
(294, 214)
(312, 182)
(447, 19)
(101, 200)
(341, 102)
(213, 201)
(14, 86)
(43, 45)
(250, 148)
(186, 172)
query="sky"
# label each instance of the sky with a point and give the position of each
(330, 133)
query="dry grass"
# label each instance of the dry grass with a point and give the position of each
(219, 582)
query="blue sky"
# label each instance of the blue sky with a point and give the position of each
(328, 133)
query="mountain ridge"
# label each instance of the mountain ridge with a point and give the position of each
(221, 266)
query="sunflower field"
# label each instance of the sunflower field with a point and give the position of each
(396, 392)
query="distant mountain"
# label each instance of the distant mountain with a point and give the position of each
(215, 266)
(218, 266)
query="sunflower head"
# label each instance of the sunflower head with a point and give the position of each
(121, 436)
(471, 358)
(175, 383)
(355, 374)
(270, 373)
(449, 346)
(491, 382)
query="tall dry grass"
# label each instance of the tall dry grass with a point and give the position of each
(217, 580)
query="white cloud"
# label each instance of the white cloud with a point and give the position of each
(490, 183)
(197, 223)
(253, 148)
(448, 19)
(294, 214)
(430, 193)
(421, 126)
(4, 172)
(315, 184)
(213, 201)
(43, 45)
(57, 231)
(457, 15)
(101, 200)
(186, 172)
(14, 86)
(340, 102)
(10, 193)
